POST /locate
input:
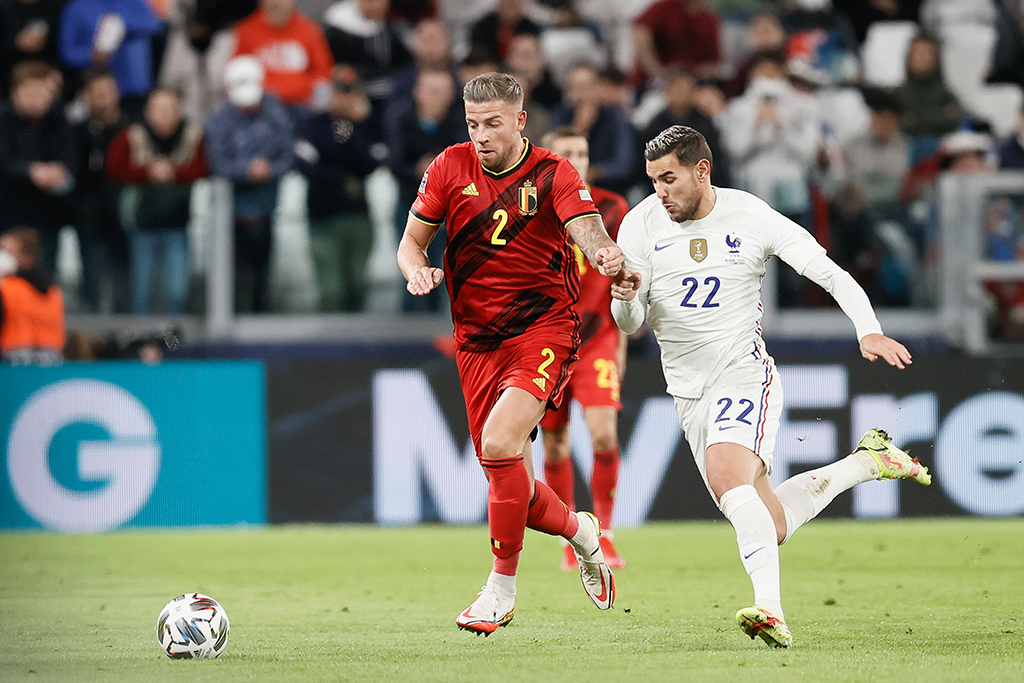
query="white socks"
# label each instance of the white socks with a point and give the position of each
(758, 543)
(584, 534)
(802, 498)
(506, 585)
(805, 495)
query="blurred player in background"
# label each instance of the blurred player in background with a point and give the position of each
(698, 253)
(512, 280)
(596, 377)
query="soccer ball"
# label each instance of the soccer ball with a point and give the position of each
(193, 626)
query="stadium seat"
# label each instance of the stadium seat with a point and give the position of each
(650, 104)
(844, 111)
(884, 52)
(966, 54)
(566, 47)
(732, 34)
(998, 104)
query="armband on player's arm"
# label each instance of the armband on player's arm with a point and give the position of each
(848, 294)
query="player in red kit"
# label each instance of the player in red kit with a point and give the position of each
(509, 209)
(596, 376)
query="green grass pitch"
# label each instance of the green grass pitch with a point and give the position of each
(908, 601)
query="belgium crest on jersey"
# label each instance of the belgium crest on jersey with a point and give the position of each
(698, 249)
(528, 199)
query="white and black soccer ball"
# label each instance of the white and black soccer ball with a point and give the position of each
(193, 626)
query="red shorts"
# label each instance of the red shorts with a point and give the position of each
(540, 364)
(594, 382)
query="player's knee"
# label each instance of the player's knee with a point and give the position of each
(556, 451)
(556, 444)
(494, 447)
(718, 486)
(721, 481)
(604, 439)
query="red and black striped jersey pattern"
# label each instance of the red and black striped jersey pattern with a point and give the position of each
(508, 265)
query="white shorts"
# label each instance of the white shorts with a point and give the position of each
(743, 406)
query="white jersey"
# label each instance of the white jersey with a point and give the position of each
(701, 281)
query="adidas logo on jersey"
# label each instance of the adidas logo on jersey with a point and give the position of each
(541, 382)
(470, 190)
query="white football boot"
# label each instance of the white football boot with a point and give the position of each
(594, 571)
(491, 610)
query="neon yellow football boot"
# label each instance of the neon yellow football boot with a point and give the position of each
(757, 621)
(892, 462)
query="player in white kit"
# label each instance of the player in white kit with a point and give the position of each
(699, 255)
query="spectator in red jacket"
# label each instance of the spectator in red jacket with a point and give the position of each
(158, 160)
(681, 33)
(295, 55)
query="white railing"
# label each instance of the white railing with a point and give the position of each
(956, 278)
(963, 265)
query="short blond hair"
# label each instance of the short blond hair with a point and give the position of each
(494, 87)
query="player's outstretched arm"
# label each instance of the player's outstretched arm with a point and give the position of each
(854, 302)
(875, 346)
(412, 257)
(593, 240)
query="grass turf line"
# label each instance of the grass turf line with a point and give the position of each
(909, 601)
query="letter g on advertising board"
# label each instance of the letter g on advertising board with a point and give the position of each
(127, 464)
(88, 447)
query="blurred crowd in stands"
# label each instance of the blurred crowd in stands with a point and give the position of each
(841, 114)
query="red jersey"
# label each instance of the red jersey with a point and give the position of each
(507, 262)
(595, 303)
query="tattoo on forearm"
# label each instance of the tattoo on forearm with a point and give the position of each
(590, 235)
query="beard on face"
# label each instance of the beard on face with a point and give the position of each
(498, 161)
(684, 212)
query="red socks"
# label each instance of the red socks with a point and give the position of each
(602, 484)
(510, 511)
(508, 499)
(559, 477)
(550, 515)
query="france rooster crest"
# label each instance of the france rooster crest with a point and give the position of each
(733, 258)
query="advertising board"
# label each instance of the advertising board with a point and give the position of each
(94, 446)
